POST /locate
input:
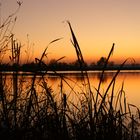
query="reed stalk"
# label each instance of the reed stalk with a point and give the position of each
(47, 114)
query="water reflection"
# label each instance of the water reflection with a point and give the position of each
(73, 82)
(131, 82)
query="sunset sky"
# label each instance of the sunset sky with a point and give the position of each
(97, 25)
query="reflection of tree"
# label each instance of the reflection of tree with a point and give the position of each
(104, 79)
(106, 76)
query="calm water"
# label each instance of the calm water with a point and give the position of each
(73, 84)
(131, 81)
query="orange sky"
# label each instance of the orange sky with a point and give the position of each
(97, 24)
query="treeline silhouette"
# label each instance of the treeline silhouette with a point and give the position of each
(54, 65)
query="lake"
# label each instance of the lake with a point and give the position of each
(71, 83)
(131, 81)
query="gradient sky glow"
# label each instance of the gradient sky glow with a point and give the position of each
(97, 24)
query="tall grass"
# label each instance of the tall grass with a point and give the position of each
(29, 113)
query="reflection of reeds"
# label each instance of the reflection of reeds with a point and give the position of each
(29, 113)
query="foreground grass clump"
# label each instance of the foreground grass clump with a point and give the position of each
(30, 109)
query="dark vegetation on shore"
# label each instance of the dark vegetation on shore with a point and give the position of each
(61, 66)
(27, 114)
(54, 65)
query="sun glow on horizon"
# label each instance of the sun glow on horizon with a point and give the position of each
(97, 25)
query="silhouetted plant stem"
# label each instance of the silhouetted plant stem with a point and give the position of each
(102, 74)
(84, 73)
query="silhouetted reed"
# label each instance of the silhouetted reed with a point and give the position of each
(32, 110)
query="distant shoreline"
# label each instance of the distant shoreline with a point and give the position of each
(41, 71)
